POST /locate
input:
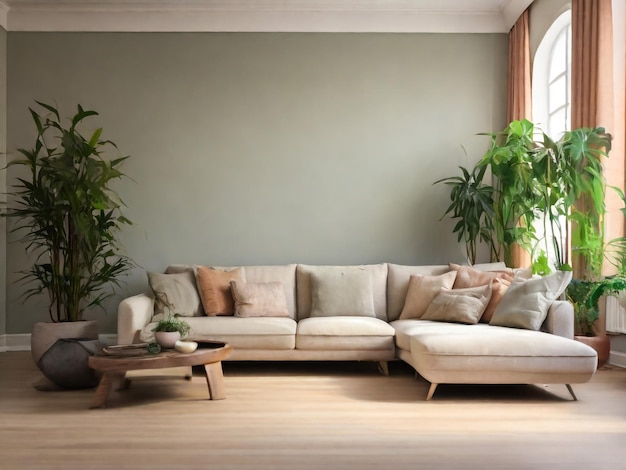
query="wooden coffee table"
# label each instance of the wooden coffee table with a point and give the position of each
(114, 368)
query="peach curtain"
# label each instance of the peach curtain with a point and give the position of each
(594, 99)
(519, 99)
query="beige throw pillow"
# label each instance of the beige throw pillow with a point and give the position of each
(175, 294)
(526, 303)
(261, 299)
(214, 287)
(459, 305)
(342, 291)
(470, 277)
(422, 290)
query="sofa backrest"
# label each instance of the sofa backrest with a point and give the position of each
(286, 274)
(378, 274)
(398, 284)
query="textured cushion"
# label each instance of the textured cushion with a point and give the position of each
(214, 288)
(398, 284)
(421, 292)
(342, 291)
(459, 305)
(378, 273)
(526, 303)
(178, 290)
(262, 299)
(500, 281)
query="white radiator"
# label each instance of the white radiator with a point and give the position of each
(616, 313)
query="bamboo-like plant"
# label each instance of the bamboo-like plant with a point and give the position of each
(472, 204)
(69, 215)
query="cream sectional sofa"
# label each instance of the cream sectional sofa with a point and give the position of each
(440, 352)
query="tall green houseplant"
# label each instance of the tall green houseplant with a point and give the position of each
(68, 215)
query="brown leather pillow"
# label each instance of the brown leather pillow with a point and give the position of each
(214, 288)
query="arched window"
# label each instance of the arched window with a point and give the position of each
(551, 103)
(552, 78)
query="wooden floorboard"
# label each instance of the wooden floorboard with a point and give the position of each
(312, 416)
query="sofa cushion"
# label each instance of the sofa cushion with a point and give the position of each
(214, 289)
(259, 299)
(500, 281)
(459, 305)
(178, 290)
(398, 284)
(526, 302)
(483, 353)
(273, 333)
(345, 291)
(378, 273)
(422, 291)
(344, 333)
(281, 273)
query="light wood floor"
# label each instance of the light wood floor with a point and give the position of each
(312, 416)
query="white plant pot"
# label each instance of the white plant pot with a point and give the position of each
(167, 339)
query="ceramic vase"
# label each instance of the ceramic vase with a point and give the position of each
(167, 339)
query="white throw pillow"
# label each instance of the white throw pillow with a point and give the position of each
(526, 302)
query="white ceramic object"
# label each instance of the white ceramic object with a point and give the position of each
(167, 339)
(186, 346)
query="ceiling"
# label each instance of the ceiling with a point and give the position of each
(402, 16)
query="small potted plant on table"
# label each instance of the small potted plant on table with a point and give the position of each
(172, 328)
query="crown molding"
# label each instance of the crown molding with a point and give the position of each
(394, 16)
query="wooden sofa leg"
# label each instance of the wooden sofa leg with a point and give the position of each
(571, 392)
(431, 391)
(383, 367)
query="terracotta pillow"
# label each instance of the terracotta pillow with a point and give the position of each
(421, 292)
(459, 305)
(214, 287)
(260, 299)
(500, 281)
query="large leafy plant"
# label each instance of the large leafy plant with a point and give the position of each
(68, 215)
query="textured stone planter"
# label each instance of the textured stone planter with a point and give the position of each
(61, 351)
(602, 345)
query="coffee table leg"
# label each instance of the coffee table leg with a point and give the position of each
(215, 380)
(99, 399)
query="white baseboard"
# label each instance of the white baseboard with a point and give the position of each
(21, 342)
(618, 359)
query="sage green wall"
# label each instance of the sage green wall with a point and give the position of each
(270, 148)
(3, 140)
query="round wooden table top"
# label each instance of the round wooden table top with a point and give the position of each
(166, 358)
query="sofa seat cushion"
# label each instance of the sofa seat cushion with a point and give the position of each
(244, 333)
(344, 333)
(451, 353)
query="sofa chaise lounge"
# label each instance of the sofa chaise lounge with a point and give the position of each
(304, 312)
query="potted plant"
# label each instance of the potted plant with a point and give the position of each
(169, 330)
(68, 215)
